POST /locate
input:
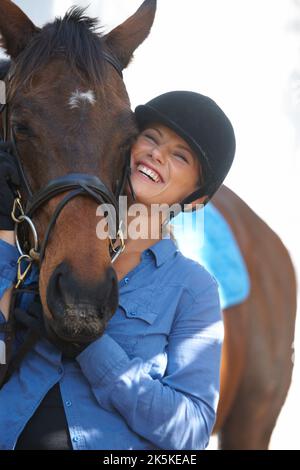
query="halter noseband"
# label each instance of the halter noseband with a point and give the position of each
(76, 184)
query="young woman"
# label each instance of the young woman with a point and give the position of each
(152, 380)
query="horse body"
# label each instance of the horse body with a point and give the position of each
(257, 354)
(256, 363)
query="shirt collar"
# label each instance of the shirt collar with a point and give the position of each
(163, 250)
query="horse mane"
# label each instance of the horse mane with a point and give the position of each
(74, 37)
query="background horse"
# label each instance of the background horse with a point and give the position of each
(257, 353)
(70, 112)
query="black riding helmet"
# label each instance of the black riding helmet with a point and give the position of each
(203, 125)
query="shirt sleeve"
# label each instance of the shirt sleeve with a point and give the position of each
(178, 411)
(9, 256)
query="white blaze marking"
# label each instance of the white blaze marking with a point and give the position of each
(79, 96)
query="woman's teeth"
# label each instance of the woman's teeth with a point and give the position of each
(152, 174)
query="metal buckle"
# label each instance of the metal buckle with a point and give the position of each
(22, 275)
(17, 205)
(117, 253)
(121, 247)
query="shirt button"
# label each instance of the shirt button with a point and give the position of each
(126, 280)
(68, 403)
(75, 439)
(60, 370)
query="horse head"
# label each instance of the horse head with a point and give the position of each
(70, 117)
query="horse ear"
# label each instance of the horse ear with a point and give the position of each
(125, 38)
(15, 27)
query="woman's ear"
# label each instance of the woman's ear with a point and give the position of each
(201, 200)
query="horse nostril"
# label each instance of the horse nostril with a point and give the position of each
(55, 291)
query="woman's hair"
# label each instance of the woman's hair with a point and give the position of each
(201, 176)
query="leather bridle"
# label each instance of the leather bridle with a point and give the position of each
(75, 184)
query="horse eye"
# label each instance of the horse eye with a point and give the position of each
(20, 128)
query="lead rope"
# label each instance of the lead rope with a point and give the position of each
(9, 328)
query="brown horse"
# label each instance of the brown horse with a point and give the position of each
(55, 139)
(69, 113)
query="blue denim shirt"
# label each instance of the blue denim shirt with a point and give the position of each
(150, 382)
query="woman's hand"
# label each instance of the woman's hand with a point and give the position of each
(9, 182)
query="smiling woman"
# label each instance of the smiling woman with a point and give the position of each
(180, 158)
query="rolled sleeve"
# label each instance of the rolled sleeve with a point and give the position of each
(103, 361)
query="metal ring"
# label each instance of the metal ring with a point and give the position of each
(23, 218)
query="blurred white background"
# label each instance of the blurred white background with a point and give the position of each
(246, 56)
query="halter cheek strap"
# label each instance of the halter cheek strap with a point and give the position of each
(3, 109)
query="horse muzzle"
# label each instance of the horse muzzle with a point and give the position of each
(80, 311)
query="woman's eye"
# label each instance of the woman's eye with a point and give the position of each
(182, 157)
(151, 137)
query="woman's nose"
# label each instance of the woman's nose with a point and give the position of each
(158, 154)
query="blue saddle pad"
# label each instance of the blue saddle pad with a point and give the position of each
(208, 239)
